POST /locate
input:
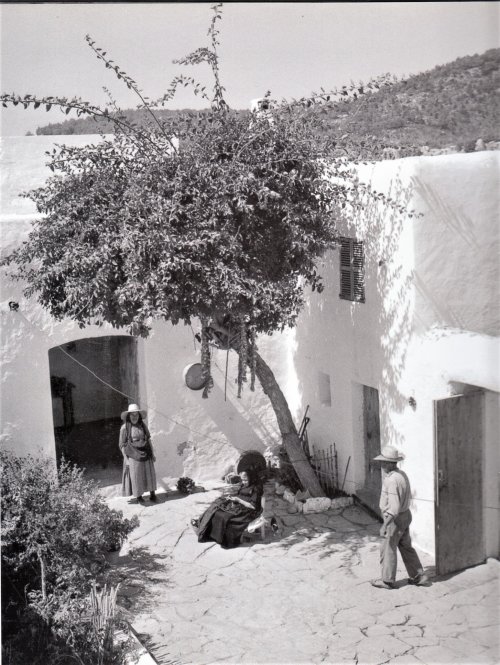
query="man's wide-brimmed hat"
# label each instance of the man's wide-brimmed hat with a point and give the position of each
(389, 454)
(133, 408)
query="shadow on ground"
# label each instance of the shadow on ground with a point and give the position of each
(301, 595)
(134, 571)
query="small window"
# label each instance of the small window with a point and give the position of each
(324, 389)
(352, 270)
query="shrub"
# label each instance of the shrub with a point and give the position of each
(185, 485)
(56, 530)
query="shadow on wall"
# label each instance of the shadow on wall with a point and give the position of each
(249, 408)
(457, 221)
(458, 272)
(389, 250)
(462, 227)
(215, 434)
(367, 342)
(240, 425)
(442, 312)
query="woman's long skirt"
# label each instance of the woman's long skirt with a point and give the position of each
(139, 478)
(223, 527)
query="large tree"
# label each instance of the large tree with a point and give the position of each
(214, 215)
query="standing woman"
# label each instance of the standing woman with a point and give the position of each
(138, 457)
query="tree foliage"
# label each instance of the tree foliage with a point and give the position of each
(216, 215)
(228, 223)
(451, 105)
(213, 214)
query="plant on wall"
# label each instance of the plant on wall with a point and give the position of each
(216, 215)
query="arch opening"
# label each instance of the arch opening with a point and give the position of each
(92, 381)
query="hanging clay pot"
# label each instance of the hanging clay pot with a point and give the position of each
(193, 376)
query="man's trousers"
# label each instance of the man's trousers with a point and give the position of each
(398, 537)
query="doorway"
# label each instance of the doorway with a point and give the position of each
(458, 447)
(92, 382)
(369, 494)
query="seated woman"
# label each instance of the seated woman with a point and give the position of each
(225, 520)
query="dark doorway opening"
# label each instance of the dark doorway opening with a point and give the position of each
(92, 382)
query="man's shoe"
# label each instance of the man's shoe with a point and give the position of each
(152, 496)
(380, 584)
(419, 580)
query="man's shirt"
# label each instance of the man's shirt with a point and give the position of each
(395, 497)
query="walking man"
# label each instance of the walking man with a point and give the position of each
(395, 501)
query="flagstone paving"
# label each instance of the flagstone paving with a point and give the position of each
(299, 597)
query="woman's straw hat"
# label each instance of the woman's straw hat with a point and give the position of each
(133, 408)
(389, 454)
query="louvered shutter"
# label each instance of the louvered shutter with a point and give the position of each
(352, 264)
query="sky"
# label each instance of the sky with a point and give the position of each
(291, 49)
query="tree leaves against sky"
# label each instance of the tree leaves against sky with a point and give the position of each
(216, 214)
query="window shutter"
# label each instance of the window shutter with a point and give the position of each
(352, 265)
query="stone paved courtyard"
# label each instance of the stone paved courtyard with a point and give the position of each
(302, 596)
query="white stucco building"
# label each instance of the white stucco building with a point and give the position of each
(415, 365)
(428, 330)
(95, 372)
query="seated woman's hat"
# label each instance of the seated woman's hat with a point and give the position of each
(133, 408)
(389, 454)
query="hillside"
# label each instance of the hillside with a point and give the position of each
(452, 106)
(447, 108)
(90, 125)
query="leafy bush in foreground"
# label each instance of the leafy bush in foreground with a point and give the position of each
(56, 530)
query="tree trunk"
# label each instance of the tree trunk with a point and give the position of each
(43, 574)
(287, 427)
(291, 441)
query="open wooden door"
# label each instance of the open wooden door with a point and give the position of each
(369, 494)
(459, 488)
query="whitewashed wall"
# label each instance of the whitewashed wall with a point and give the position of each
(202, 438)
(430, 319)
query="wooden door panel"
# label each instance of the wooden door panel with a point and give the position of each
(370, 493)
(458, 474)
